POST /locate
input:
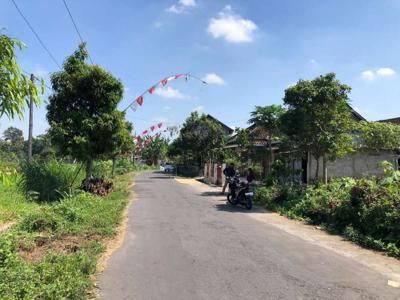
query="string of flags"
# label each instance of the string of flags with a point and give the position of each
(139, 100)
(152, 128)
(144, 142)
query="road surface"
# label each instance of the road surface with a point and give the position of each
(183, 242)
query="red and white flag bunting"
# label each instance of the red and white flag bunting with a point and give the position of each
(144, 133)
(139, 100)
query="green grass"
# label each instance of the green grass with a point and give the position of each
(13, 204)
(52, 253)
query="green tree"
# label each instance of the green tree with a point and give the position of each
(268, 118)
(82, 111)
(318, 119)
(15, 87)
(200, 139)
(15, 141)
(245, 143)
(155, 150)
(124, 143)
(378, 136)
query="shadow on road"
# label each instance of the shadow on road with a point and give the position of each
(238, 208)
(208, 194)
(160, 177)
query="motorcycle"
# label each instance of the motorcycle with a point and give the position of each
(240, 192)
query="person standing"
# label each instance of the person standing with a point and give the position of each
(229, 171)
(251, 176)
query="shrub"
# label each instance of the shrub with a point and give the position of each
(102, 169)
(48, 181)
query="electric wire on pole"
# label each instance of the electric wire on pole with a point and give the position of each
(36, 34)
(76, 27)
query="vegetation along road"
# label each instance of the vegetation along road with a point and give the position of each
(184, 242)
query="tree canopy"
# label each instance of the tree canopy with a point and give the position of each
(200, 139)
(379, 136)
(15, 87)
(268, 118)
(155, 150)
(82, 110)
(318, 118)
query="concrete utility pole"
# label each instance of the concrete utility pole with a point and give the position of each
(30, 122)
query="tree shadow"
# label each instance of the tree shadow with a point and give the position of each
(213, 193)
(239, 208)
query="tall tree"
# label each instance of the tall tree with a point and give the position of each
(268, 119)
(15, 140)
(82, 111)
(200, 139)
(155, 150)
(318, 119)
(15, 87)
(245, 143)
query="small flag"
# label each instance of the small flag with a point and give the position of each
(152, 89)
(179, 76)
(164, 82)
(138, 138)
(144, 132)
(139, 100)
(134, 106)
(159, 125)
(152, 128)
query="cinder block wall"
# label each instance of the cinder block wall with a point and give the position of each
(353, 165)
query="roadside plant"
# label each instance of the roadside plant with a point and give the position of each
(82, 111)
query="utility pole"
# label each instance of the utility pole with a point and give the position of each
(30, 122)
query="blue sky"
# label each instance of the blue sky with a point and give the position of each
(251, 50)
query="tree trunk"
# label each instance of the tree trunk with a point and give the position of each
(325, 170)
(89, 170)
(113, 166)
(317, 169)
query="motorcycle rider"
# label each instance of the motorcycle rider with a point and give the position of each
(229, 171)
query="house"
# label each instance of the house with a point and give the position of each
(228, 130)
(352, 165)
(392, 120)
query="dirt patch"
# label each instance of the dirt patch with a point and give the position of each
(62, 244)
(6, 226)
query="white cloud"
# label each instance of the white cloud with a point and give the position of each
(157, 24)
(233, 28)
(385, 72)
(199, 108)
(368, 75)
(181, 6)
(381, 72)
(170, 93)
(212, 78)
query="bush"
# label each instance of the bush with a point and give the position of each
(365, 210)
(48, 181)
(102, 169)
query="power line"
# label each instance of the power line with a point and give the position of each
(36, 35)
(35, 77)
(76, 27)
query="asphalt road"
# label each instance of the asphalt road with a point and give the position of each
(185, 243)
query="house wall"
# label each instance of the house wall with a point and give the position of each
(353, 165)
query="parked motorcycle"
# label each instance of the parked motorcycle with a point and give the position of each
(240, 192)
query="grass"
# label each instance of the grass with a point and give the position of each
(13, 204)
(52, 252)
